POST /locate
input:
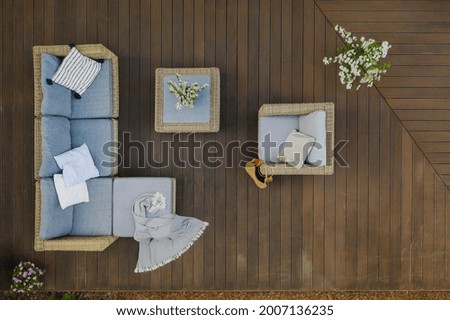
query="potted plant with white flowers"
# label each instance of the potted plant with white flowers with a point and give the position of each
(360, 60)
(185, 92)
(26, 277)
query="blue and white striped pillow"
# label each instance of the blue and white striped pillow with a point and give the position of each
(76, 72)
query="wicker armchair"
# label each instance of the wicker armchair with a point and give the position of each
(300, 109)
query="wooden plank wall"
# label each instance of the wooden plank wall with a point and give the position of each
(379, 223)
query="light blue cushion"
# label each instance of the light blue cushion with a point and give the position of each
(95, 133)
(126, 190)
(94, 218)
(96, 101)
(55, 135)
(273, 131)
(199, 114)
(56, 99)
(55, 222)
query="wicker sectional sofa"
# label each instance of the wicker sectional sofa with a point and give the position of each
(62, 123)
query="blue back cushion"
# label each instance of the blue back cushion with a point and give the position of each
(94, 218)
(96, 101)
(56, 99)
(273, 131)
(55, 137)
(55, 222)
(95, 133)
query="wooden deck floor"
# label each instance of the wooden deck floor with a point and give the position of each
(378, 224)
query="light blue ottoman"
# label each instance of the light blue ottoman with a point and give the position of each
(125, 192)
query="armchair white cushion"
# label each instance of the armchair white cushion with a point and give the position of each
(296, 148)
(314, 124)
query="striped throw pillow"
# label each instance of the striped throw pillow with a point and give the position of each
(76, 72)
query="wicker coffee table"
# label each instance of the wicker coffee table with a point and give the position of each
(204, 117)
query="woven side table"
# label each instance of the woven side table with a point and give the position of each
(204, 117)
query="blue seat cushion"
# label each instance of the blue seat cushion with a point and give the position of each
(94, 218)
(273, 131)
(55, 139)
(96, 101)
(95, 133)
(56, 99)
(126, 190)
(55, 222)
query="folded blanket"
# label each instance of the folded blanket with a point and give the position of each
(162, 237)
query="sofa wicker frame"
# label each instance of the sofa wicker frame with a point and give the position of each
(299, 109)
(68, 243)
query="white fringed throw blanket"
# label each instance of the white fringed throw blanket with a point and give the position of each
(162, 237)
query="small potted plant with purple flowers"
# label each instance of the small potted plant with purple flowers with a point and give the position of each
(26, 278)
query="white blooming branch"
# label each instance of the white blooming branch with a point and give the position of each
(359, 60)
(185, 92)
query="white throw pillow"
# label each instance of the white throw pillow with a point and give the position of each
(77, 165)
(70, 195)
(295, 149)
(77, 72)
(314, 124)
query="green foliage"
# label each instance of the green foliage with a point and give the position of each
(360, 60)
(69, 296)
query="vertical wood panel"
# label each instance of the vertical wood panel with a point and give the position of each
(137, 110)
(3, 240)
(379, 224)
(27, 143)
(439, 235)
(209, 236)
(406, 234)
(71, 22)
(374, 189)
(385, 195)
(308, 181)
(417, 218)
(177, 171)
(231, 129)
(188, 195)
(352, 191)
(330, 235)
(199, 177)
(264, 195)
(319, 192)
(363, 188)
(396, 190)
(253, 105)
(242, 115)
(429, 253)
(91, 21)
(275, 187)
(286, 225)
(220, 212)
(163, 278)
(341, 185)
(20, 216)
